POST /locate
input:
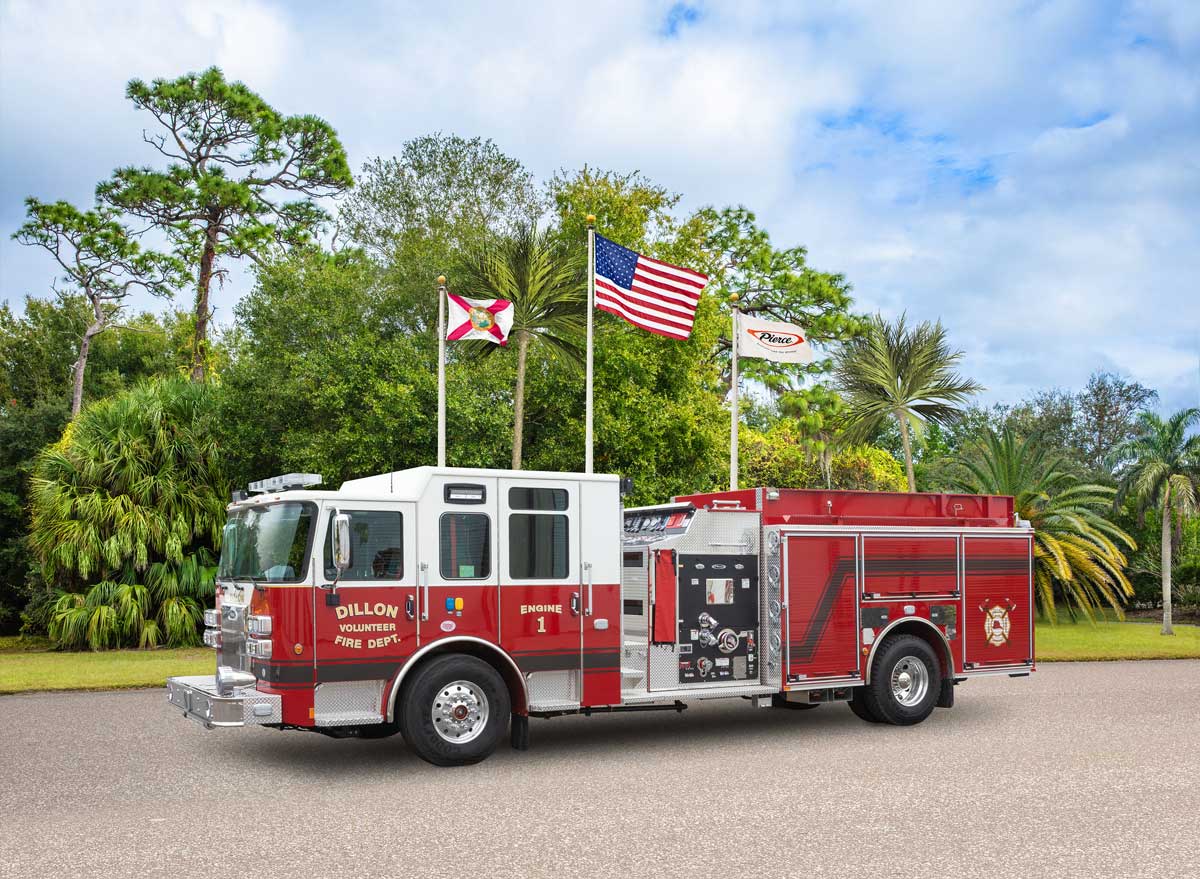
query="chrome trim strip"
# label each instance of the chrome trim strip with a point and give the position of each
(459, 639)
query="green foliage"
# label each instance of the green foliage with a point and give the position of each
(123, 509)
(774, 284)
(1078, 555)
(545, 282)
(234, 162)
(37, 352)
(441, 189)
(101, 259)
(781, 458)
(901, 372)
(1160, 466)
(96, 253)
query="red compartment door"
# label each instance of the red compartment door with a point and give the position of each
(822, 614)
(998, 602)
(907, 567)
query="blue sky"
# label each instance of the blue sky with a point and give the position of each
(1029, 172)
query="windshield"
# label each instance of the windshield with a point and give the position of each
(268, 543)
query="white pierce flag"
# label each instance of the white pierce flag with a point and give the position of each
(772, 340)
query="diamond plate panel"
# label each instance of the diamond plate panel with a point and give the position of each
(553, 690)
(348, 702)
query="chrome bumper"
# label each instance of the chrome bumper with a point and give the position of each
(200, 701)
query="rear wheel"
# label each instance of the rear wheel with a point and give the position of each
(455, 711)
(858, 704)
(905, 679)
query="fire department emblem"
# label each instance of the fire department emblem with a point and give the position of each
(482, 319)
(996, 624)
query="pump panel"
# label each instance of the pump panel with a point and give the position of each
(718, 612)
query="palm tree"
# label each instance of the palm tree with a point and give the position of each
(1160, 467)
(1076, 551)
(123, 510)
(894, 371)
(545, 283)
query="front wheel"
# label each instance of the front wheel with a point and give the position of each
(905, 678)
(455, 711)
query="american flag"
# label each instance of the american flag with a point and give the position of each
(650, 294)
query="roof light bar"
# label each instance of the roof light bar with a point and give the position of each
(283, 483)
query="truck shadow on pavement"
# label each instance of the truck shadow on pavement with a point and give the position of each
(653, 734)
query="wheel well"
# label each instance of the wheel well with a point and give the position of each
(922, 629)
(489, 653)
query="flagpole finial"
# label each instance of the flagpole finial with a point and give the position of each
(441, 280)
(733, 297)
(591, 219)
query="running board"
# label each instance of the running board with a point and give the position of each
(611, 709)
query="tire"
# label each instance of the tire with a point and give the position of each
(905, 679)
(455, 711)
(858, 704)
(780, 700)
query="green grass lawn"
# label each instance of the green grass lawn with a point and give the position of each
(1069, 641)
(25, 666)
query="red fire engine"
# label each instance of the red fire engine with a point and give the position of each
(450, 604)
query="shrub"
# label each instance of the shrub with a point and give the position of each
(125, 508)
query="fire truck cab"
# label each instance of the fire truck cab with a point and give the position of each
(450, 605)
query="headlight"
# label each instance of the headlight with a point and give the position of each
(212, 618)
(258, 626)
(258, 649)
(212, 638)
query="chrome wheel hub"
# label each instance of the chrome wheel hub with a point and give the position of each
(910, 681)
(460, 712)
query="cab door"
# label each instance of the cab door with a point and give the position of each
(365, 618)
(541, 595)
(458, 559)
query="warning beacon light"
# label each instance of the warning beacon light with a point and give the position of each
(285, 483)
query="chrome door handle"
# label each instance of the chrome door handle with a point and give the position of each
(410, 606)
(587, 569)
(424, 584)
(574, 604)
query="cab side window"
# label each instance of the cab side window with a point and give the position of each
(537, 542)
(376, 546)
(466, 546)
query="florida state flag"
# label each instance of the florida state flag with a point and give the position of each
(487, 319)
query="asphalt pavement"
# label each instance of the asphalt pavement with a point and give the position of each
(1081, 770)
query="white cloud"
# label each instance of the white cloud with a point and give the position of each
(1027, 172)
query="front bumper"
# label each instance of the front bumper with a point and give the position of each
(200, 701)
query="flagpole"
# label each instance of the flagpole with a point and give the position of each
(441, 374)
(591, 298)
(733, 408)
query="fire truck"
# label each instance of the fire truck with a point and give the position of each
(451, 605)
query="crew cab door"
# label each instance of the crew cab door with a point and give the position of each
(368, 623)
(541, 593)
(458, 559)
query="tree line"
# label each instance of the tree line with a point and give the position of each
(123, 432)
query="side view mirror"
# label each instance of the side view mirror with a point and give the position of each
(341, 541)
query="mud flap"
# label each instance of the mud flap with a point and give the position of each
(946, 694)
(520, 732)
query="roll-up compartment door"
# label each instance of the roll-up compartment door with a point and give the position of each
(665, 613)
